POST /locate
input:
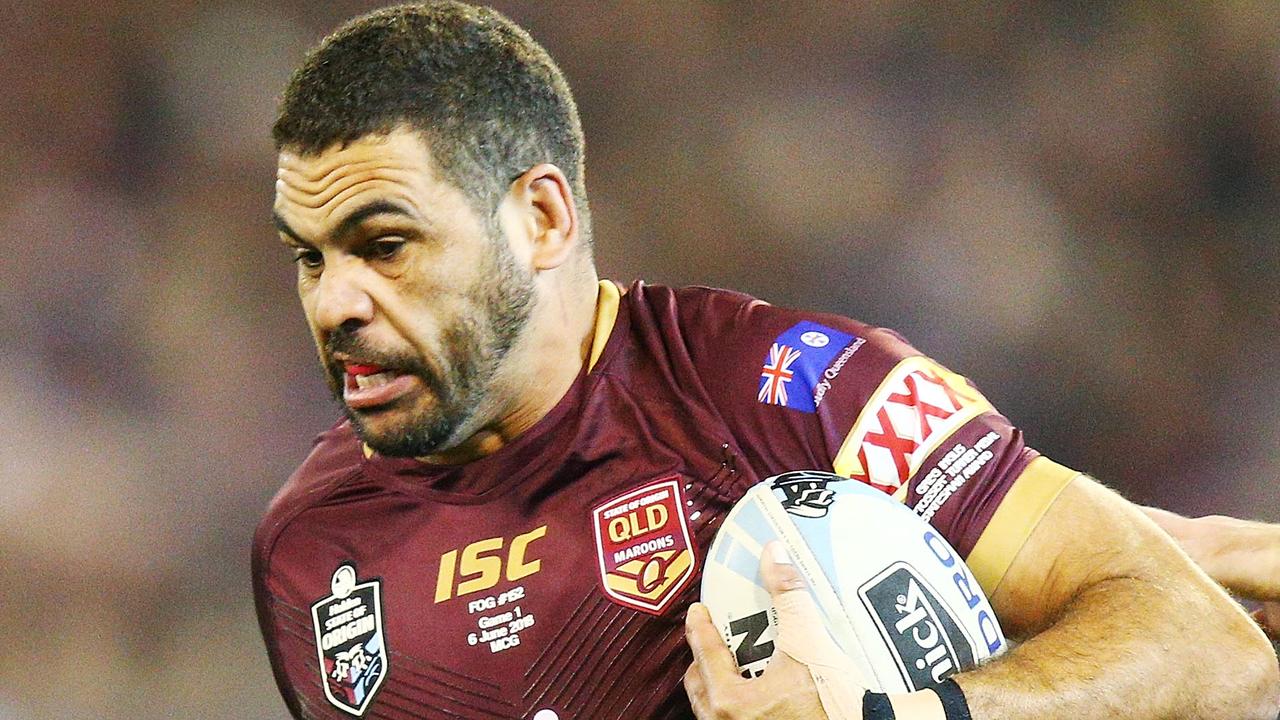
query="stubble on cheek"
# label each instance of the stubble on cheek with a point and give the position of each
(417, 423)
(477, 323)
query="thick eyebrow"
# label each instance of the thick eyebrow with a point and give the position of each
(284, 228)
(364, 212)
(351, 221)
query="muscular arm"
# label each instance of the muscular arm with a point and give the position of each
(1243, 556)
(1114, 622)
(1117, 623)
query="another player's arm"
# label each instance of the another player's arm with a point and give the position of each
(1117, 623)
(1243, 556)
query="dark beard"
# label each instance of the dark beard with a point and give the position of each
(474, 349)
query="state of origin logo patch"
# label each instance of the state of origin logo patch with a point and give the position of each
(350, 641)
(642, 539)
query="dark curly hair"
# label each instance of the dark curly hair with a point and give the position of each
(489, 101)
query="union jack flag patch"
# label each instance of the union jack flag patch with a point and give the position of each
(794, 367)
(776, 374)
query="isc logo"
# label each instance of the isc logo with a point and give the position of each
(480, 565)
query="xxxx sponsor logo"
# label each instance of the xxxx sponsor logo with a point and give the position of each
(917, 407)
(643, 547)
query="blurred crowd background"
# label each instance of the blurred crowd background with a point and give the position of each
(1074, 204)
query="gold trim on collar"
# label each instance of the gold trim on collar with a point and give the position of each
(607, 301)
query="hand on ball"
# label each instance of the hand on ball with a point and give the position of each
(808, 676)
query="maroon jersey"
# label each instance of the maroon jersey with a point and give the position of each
(550, 579)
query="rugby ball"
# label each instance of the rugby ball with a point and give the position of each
(893, 594)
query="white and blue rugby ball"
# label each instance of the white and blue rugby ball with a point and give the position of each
(894, 595)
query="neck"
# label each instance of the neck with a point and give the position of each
(538, 370)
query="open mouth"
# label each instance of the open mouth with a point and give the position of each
(368, 385)
(364, 377)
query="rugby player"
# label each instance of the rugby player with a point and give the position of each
(510, 520)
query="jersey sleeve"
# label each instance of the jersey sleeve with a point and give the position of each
(807, 390)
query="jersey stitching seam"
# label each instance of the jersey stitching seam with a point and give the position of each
(278, 532)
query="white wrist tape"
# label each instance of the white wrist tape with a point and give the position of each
(802, 636)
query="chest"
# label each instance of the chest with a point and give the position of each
(563, 596)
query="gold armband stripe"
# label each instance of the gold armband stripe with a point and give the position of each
(1014, 520)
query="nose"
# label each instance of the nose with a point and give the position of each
(340, 298)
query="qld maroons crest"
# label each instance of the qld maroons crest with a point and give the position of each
(349, 639)
(642, 540)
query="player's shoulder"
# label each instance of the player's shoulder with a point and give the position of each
(697, 309)
(725, 329)
(336, 457)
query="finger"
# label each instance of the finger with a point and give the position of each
(780, 574)
(799, 621)
(710, 654)
(694, 686)
(803, 635)
(1268, 617)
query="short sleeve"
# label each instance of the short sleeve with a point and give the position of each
(804, 390)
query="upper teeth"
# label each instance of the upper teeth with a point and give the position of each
(374, 380)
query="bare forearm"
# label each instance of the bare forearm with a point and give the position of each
(1243, 556)
(1129, 648)
(1121, 625)
(1248, 559)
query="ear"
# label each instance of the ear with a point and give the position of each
(550, 216)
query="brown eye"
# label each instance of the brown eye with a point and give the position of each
(387, 248)
(308, 258)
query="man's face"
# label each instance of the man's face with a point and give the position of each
(413, 298)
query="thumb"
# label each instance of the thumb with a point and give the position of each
(803, 635)
(791, 597)
(802, 630)
(780, 574)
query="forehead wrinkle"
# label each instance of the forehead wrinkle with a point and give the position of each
(344, 167)
(313, 199)
(345, 162)
(323, 227)
(360, 194)
(317, 187)
(303, 180)
(378, 148)
(327, 160)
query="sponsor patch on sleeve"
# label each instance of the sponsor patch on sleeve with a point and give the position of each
(916, 408)
(800, 364)
(950, 473)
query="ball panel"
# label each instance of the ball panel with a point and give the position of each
(801, 540)
(893, 594)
